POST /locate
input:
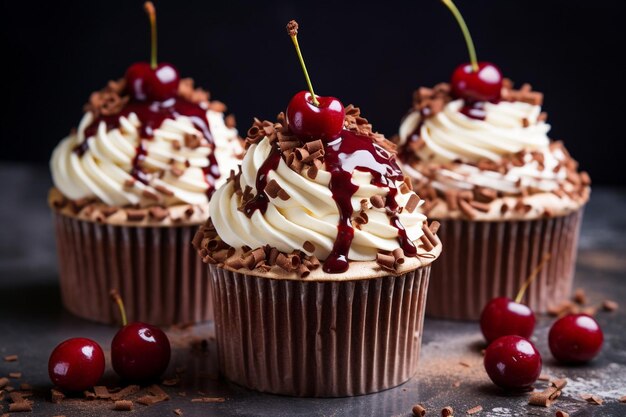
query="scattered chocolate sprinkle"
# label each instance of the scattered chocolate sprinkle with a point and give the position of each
(25, 387)
(447, 412)
(622, 399)
(418, 410)
(125, 392)
(158, 213)
(428, 246)
(610, 305)
(171, 382)
(308, 246)
(23, 406)
(467, 365)
(561, 413)
(580, 297)
(16, 375)
(178, 412)
(540, 398)
(592, 399)
(474, 410)
(412, 203)
(467, 209)
(135, 214)
(559, 383)
(123, 405)
(386, 261)
(56, 396)
(101, 392)
(208, 400)
(89, 395)
(10, 358)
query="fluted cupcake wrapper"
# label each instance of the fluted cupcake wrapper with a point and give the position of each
(156, 270)
(483, 260)
(319, 339)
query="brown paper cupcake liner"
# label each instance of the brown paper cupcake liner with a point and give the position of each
(319, 339)
(155, 269)
(483, 260)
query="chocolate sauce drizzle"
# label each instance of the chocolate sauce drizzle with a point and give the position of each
(152, 115)
(260, 200)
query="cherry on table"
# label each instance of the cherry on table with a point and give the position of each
(575, 338)
(308, 120)
(76, 364)
(140, 352)
(483, 83)
(512, 362)
(503, 316)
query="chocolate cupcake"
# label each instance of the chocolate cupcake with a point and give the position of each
(320, 261)
(131, 185)
(505, 195)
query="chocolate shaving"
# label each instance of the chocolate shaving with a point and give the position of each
(467, 209)
(15, 375)
(101, 392)
(474, 410)
(561, 413)
(56, 396)
(125, 392)
(447, 412)
(592, 399)
(412, 203)
(208, 400)
(308, 246)
(23, 406)
(559, 383)
(609, 305)
(135, 214)
(10, 358)
(123, 405)
(418, 410)
(158, 213)
(377, 201)
(178, 412)
(387, 262)
(580, 297)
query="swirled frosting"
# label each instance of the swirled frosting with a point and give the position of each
(146, 154)
(320, 199)
(506, 150)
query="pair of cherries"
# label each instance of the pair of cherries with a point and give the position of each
(140, 352)
(512, 361)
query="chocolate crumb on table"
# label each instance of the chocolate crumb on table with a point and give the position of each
(15, 375)
(418, 410)
(474, 410)
(622, 399)
(123, 405)
(56, 396)
(208, 400)
(561, 413)
(4, 382)
(592, 399)
(178, 412)
(447, 412)
(10, 358)
(610, 305)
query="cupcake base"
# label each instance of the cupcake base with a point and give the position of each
(319, 339)
(487, 259)
(155, 269)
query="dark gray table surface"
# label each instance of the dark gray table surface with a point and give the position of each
(32, 322)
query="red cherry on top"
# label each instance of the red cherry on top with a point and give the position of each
(307, 120)
(140, 352)
(485, 84)
(512, 363)
(76, 364)
(503, 316)
(575, 338)
(147, 84)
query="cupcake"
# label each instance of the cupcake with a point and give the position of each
(319, 257)
(131, 186)
(504, 193)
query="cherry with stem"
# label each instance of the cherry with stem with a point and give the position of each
(503, 316)
(308, 115)
(475, 81)
(152, 81)
(140, 352)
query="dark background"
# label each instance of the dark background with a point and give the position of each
(373, 54)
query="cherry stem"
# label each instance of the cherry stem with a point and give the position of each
(149, 8)
(534, 274)
(292, 29)
(120, 304)
(466, 34)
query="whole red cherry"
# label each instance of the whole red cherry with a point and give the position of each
(503, 316)
(147, 84)
(485, 84)
(512, 362)
(324, 121)
(575, 338)
(76, 364)
(140, 352)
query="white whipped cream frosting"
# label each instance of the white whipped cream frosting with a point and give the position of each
(310, 214)
(508, 128)
(106, 165)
